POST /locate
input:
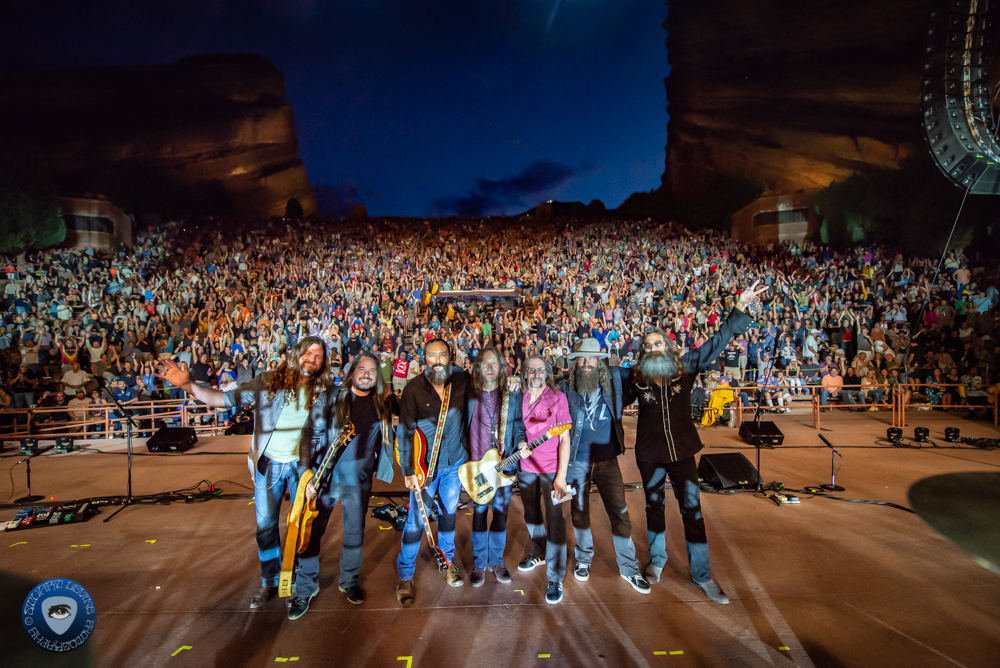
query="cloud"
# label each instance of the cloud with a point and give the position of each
(514, 191)
(335, 200)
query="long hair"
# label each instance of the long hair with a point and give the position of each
(549, 379)
(669, 348)
(343, 406)
(476, 389)
(286, 377)
(603, 377)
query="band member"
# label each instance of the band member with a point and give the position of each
(666, 439)
(362, 401)
(286, 407)
(595, 396)
(494, 415)
(543, 471)
(420, 408)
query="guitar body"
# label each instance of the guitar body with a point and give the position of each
(482, 479)
(420, 457)
(293, 536)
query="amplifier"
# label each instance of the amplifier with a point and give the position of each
(730, 470)
(172, 439)
(769, 433)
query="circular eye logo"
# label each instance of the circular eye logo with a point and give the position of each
(59, 615)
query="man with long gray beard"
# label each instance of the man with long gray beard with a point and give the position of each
(667, 441)
(595, 395)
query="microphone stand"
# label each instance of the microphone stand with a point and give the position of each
(129, 423)
(833, 486)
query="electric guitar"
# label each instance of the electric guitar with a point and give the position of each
(298, 531)
(482, 479)
(420, 470)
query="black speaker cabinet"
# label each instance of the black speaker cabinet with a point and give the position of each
(730, 470)
(172, 439)
(769, 433)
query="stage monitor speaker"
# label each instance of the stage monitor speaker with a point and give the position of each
(172, 439)
(731, 470)
(769, 433)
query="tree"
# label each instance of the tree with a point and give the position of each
(29, 205)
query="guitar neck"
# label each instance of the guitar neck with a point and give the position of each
(516, 456)
(332, 452)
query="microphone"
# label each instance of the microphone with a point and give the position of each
(828, 443)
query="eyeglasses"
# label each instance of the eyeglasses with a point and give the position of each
(654, 345)
(536, 372)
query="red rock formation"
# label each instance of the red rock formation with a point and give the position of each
(796, 93)
(200, 123)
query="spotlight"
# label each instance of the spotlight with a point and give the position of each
(64, 444)
(29, 446)
(952, 435)
(894, 434)
(921, 434)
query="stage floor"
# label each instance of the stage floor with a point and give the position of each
(823, 583)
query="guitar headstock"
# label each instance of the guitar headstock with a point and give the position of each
(558, 430)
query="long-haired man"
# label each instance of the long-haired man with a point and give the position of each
(363, 401)
(287, 407)
(666, 439)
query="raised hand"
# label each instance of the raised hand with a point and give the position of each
(750, 295)
(169, 371)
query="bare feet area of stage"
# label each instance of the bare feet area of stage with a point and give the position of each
(821, 583)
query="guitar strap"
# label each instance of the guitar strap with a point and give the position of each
(503, 421)
(439, 433)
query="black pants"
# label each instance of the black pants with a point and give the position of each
(354, 509)
(608, 477)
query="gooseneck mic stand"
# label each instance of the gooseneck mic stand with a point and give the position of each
(129, 423)
(833, 486)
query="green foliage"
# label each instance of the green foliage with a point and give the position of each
(913, 206)
(29, 204)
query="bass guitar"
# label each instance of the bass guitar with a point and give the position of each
(481, 479)
(304, 511)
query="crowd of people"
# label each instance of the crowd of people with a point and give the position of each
(227, 301)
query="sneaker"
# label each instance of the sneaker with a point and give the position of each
(503, 576)
(582, 572)
(529, 563)
(638, 583)
(652, 573)
(553, 594)
(404, 593)
(355, 594)
(478, 577)
(713, 591)
(453, 576)
(263, 595)
(300, 604)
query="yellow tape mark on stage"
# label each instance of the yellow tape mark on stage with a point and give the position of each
(151, 541)
(784, 648)
(659, 653)
(675, 653)
(87, 545)
(544, 656)
(251, 503)
(23, 542)
(183, 647)
(281, 659)
(468, 513)
(520, 591)
(384, 528)
(407, 659)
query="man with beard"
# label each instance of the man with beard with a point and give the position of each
(494, 415)
(594, 392)
(421, 408)
(361, 401)
(666, 439)
(287, 408)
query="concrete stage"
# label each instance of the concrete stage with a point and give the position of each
(824, 583)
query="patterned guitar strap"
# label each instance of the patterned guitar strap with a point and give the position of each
(438, 435)
(503, 421)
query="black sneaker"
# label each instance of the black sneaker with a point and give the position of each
(529, 563)
(582, 572)
(300, 604)
(355, 594)
(638, 583)
(553, 594)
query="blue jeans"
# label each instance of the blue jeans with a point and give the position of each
(488, 543)
(269, 489)
(844, 396)
(353, 507)
(547, 539)
(444, 490)
(608, 477)
(683, 476)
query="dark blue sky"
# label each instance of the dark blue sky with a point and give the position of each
(419, 107)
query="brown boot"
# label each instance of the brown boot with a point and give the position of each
(453, 576)
(404, 593)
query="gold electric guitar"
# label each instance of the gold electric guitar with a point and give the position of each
(482, 479)
(304, 511)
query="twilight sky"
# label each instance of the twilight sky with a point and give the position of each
(417, 107)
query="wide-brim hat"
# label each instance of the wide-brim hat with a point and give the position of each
(588, 347)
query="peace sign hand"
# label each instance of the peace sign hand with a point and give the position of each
(750, 295)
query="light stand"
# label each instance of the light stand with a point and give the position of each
(833, 486)
(29, 497)
(129, 423)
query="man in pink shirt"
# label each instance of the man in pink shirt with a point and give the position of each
(542, 472)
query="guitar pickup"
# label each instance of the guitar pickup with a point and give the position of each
(484, 492)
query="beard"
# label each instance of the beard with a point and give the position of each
(436, 374)
(587, 381)
(660, 366)
(365, 384)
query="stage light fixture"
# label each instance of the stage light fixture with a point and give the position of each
(894, 434)
(921, 435)
(952, 435)
(64, 444)
(29, 445)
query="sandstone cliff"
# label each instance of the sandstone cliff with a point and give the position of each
(204, 127)
(795, 93)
